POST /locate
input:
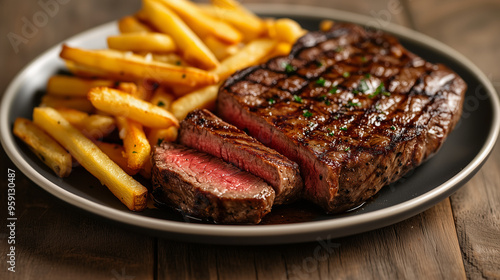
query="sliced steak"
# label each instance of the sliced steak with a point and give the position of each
(203, 131)
(352, 107)
(207, 187)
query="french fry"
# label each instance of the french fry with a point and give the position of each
(250, 26)
(158, 135)
(130, 24)
(198, 99)
(220, 49)
(119, 103)
(92, 126)
(202, 24)
(77, 103)
(85, 71)
(250, 54)
(170, 58)
(129, 191)
(326, 25)
(136, 145)
(146, 170)
(115, 153)
(162, 98)
(130, 88)
(166, 21)
(126, 66)
(44, 147)
(142, 42)
(64, 86)
(288, 30)
(281, 48)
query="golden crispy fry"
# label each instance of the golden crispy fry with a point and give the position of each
(124, 187)
(146, 170)
(126, 66)
(44, 147)
(158, 135)
(250, 26)
(202, 24)
(281, 48)
(92, 126)
(128, 87)
(166, 21)
(288, 30)
(115, 153)
(85, 71)
(77, 103)
(162, 98)
(119, 103)
(201, 98)
(250, 54)
(62, 85)
(135, 143)
(220, 49)
(326, 25)
(142, 42)
(130, 24)
(170, 58)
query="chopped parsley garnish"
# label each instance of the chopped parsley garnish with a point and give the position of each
(333, 90)
(331, 134)
(321, 82)
(178, 62)
(319, 63)
(183, 76)
(307, 114)
(363, 59)
(343, 128)
(297, 99)
(271, 101)
(289, 68)
(347, 149)
(327, 102)
(380, 90)
(161, 103)
(353, 104)
(339, 49)
(134, 152)
(368, 75)
(346, 74)
(363, 86)
(393, 127)
(324, 99)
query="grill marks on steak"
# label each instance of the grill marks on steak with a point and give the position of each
(353, 108)
(205, 132)
(207, 187)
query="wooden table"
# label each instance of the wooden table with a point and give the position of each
(458, 238)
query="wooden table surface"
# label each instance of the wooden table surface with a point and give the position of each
(458, 238)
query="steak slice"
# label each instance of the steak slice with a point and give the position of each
(207, 187)
(352, 107)
(203, 131)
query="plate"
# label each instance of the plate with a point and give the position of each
(459, 159)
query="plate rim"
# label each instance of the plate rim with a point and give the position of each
(284, 233)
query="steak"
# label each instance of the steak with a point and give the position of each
(352, 107)
(206, 187)
(203, 131)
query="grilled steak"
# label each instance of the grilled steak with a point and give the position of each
(352, 107)
(207, 187)
(203, 131)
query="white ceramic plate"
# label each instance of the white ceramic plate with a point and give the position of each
(460, 158)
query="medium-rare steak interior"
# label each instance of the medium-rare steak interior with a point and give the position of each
(352, 107)
(203, 131)
(206, 187)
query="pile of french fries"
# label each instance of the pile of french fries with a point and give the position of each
(169, 58)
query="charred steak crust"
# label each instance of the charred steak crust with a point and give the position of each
(352, 107)
(206, 187)
(203, 131)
